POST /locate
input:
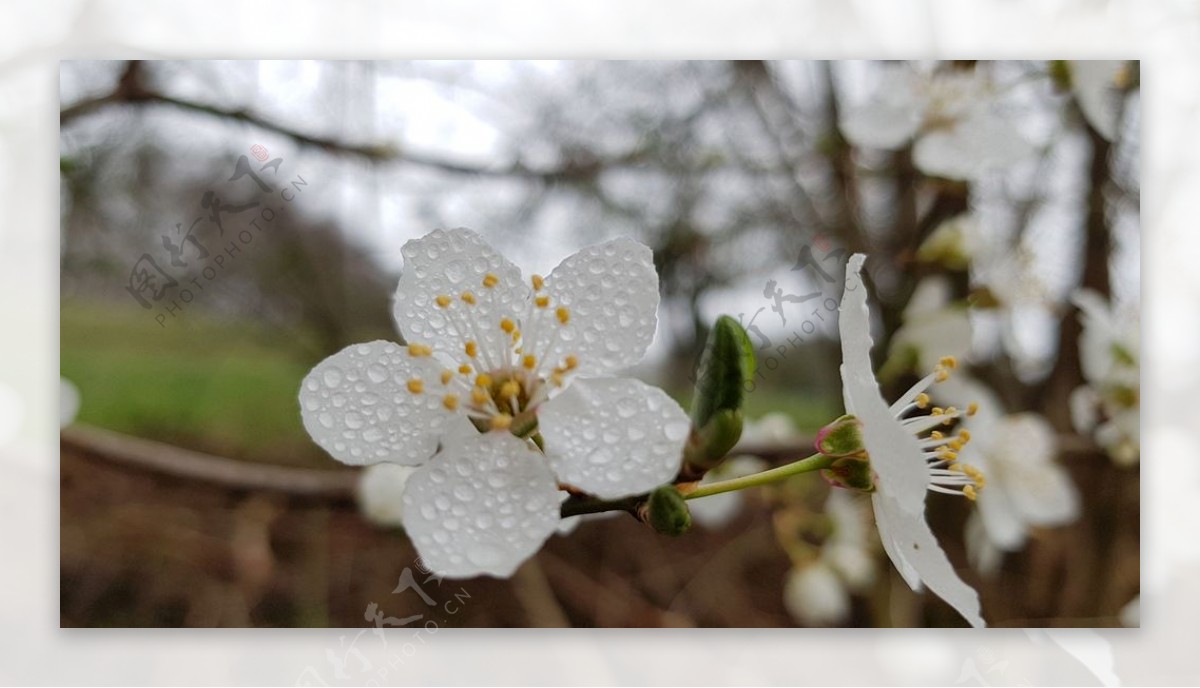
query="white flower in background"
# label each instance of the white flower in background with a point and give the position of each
(1098, 87)
(817, 593)
(1026, 487)
(815, 596)
(770, 430)
(933, 326)
(954, 119)
(381, 493)
(1108, 407)
(495, 362)
(68, 402)
(905, 461)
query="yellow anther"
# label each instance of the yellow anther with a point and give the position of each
(936, 435)
(542, 301)
(951, 411)
(538, 282)
(419, 350)
(443, 301)
(502, 421)
(479, 397)
(490, 280)
(972, 409)
(969, 492)
(447, 375)
(450, 401)
(922, 400)
(483, 380)
(416, 386)
(518, 350)
(464, 369)
(948, 455)
(964, 435)
(472, 349)
(507, 325)
(468, 297)
(529, 361)
(956, 444)
(949, 362)
(564, 315)
(937, 411)
(942, 375)
(516, 335)
(557, 379)
(509, 389)
(571, 361)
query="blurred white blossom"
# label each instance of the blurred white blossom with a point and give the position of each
(1108, 406)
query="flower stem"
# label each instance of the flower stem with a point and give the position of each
(806, 465)
(582, 505)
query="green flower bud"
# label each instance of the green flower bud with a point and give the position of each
(667, 511)
(708, 446)
(725, 367)
(852, 473)
(842, 437)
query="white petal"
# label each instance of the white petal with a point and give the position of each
(1001, 521)
(448, 263)
(68, 402)
(483, 505)
(357, 406)
(895, 455)
(1094, 83)
(815, 596)
(613, 437)
(381, 493)
(611, 291)
(982, 141)
(914, 550)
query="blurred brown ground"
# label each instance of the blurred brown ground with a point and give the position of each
(140, 548)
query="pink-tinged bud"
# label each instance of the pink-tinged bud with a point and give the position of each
(842, 437)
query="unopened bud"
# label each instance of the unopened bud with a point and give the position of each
(852, 473)
(667, 511)
(842, 437)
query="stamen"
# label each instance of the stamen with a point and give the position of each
(472, 349)
(419, 350)
(443, 301)
(942, 375)
(542, 301)
(572, 362)
(969, 492)
(949, 362)
(416, 386)
(464, 369)
(450, 401)
(557, 379)
(936, 435)
(507, 325)
(468, 297)
(538, 282)
(564, 315)
(490, 280)
(479, 397)
(447, 374)
(922, 400)
(510, 389)
(973, 408)
(529, 361)
(501, 421)
(483, 380)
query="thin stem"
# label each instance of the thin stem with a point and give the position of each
(582, 505)
(806, 465)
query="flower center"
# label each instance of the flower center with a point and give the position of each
(499, 388)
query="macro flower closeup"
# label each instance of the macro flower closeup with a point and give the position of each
(502, 396)
(953, 119)
(907, 457)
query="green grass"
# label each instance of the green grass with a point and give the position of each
(220, 386)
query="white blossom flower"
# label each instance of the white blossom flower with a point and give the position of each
(953, 118)
(817, 592)
(1098, 88)
(1108, 406)
(933, 326)
(380, 492)
(905, 463)
(1026, 487)
(495, 364)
